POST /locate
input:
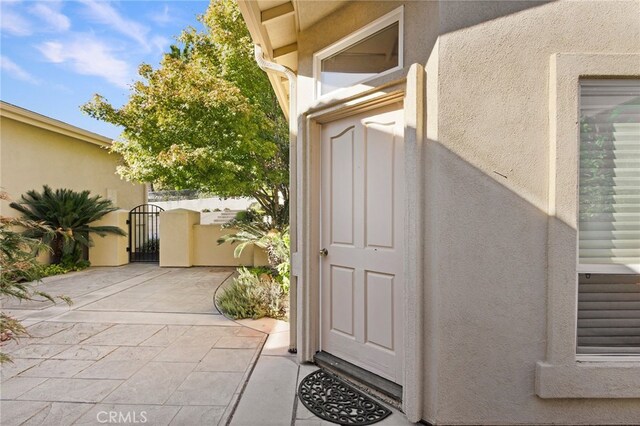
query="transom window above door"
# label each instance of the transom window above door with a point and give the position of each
(369, 52)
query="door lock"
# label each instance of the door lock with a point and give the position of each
(324, 252)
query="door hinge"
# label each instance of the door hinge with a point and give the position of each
(128, 249)
(128, 222)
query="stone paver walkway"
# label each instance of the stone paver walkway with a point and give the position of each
(141, 344)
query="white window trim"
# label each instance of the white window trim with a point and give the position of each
(396, 15)
(564, 374)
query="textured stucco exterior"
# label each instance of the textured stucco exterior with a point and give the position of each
(111, 250)
(36, 150)
(207, 251)
(193, 244)
(177, 227)
(486, 213)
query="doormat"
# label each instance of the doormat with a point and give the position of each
(334, 400)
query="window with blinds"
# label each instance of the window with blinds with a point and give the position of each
(609, 217)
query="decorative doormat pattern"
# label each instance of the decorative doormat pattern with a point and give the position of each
(332, 399)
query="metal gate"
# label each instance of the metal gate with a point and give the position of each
(144, 233)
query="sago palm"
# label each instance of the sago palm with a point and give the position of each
(70, 214)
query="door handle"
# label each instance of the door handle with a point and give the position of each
(324, 252)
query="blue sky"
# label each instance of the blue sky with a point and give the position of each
(56, 54)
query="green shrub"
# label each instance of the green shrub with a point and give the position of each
(275, 243)
(254, 294)
(63, 268)
(53, 269)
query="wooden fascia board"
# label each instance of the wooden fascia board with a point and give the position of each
(285, 9)
(285, 50)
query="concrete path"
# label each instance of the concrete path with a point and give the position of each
(140, 345)
(270, 397)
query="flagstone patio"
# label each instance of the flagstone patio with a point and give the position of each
(140, 345)
(145, 345)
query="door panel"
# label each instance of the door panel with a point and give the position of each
(362, 199)
(342, 186)
(379, 290)
(379, 182)
(342, 286)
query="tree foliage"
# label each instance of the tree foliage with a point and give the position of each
(206, 118)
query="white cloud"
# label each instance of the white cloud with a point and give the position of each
(104, 13)
(12, 23)
(89, 56)
(49, 12)
(162, 18)
(160, 43)
(16, 71)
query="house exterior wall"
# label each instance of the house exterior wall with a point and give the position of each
(486, 178)
(491, 184)
(32, 156)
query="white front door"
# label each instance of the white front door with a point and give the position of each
(362, 200)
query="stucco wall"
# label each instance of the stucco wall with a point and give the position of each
(32, 156)
(490, 184)
(193, 244)
(486, 184)
(111, 249)
(207, 252)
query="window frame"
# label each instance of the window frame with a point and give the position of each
(396, 15)
(564, 374)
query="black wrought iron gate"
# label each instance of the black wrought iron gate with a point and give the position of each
(144, 233)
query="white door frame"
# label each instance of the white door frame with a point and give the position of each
(410, 91)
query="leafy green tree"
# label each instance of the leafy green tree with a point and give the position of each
(69, 214)
(206, 118)
(19, 269)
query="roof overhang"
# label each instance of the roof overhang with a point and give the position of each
(275, 24)
(37, 120)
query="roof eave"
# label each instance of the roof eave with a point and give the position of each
(38, 120)
(253, 18)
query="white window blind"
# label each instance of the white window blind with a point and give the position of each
(609, 222)
(608, 314)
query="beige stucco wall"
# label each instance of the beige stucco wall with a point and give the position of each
(32, 156)
(208, 252)
(490, 232)
(185, 242)
(176, 237)
(110, 250)
(486, 184)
